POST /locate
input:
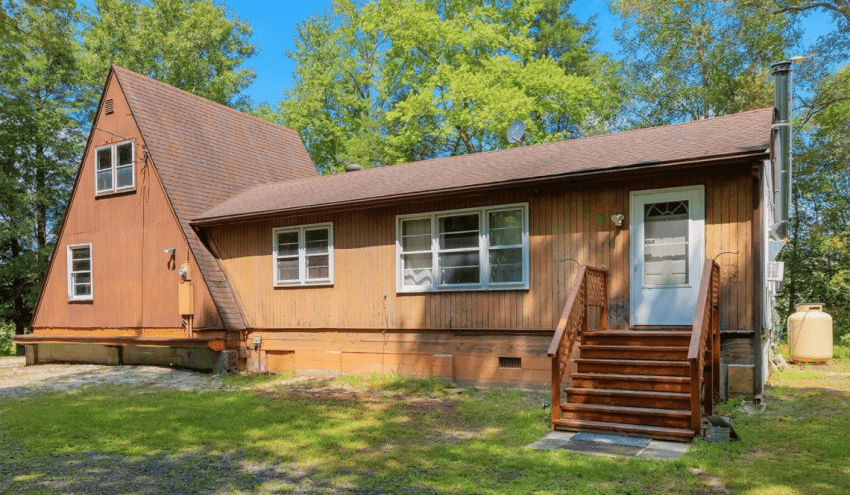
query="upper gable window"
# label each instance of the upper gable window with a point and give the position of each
(115, 168)
(484, 248)
(304, 255)
(79, 273)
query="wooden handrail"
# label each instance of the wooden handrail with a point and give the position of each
(705, 330)
(589, 289)
(565, 315)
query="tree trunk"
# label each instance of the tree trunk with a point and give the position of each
(18, 299)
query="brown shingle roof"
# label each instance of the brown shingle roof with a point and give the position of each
(205, 154)
(718, 139)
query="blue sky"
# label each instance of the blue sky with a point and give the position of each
(275, 25)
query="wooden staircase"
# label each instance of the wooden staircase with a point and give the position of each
(630, 382)
(649, 383)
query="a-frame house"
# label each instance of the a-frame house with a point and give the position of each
(156, 157)
(628, 272)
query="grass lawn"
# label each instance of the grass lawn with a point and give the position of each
(388, 435)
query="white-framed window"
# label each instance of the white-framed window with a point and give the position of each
(79, 272)
(480, 248)
(304, 255)
(114, 168)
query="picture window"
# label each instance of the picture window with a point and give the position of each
(485, 248)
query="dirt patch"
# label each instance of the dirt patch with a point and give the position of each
(17, 380)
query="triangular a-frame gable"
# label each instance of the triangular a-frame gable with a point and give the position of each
(206, 153)
(194, 154)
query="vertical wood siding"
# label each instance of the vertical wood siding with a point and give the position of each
(133, 286)
(569, 225)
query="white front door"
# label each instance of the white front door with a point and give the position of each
(667, 254)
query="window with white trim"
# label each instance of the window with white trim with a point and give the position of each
(79, 272)
(114, 168)
(484, 248)
(304, 255)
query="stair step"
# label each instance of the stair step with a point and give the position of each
(632, 382)
(671, 418)
(656, 432)
(633, 367)
(628, 398)
(650, 353)
(638, 338)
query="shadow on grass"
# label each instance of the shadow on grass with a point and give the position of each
(106, 440)
(798, 445)
(90, 472)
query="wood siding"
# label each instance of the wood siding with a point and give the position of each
(134, 287)
(569, 225)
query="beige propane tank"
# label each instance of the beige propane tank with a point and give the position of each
(810, 334)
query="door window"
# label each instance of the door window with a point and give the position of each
(665, 253)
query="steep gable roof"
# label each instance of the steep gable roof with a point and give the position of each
(719, 139)
(205, 154)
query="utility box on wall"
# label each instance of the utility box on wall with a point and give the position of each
(185, 299)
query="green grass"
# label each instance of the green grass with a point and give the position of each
(386, 434)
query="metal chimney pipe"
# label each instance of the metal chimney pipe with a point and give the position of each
(782, 169)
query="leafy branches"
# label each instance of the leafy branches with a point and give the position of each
(396, 81)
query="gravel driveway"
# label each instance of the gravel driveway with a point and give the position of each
(17, 380)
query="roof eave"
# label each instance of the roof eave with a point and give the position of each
(727, 159)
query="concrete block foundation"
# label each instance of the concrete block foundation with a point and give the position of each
(195, 358)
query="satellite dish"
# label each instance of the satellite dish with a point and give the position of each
(516, 132)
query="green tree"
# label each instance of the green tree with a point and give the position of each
(190, 44)
(690, 60)
(818, 261)
(39, 143)
(395, 81)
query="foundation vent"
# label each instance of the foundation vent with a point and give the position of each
(109, 106)
(510, 362)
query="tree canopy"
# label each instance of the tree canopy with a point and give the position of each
(189, 44)
(395, 81)
(694, 59)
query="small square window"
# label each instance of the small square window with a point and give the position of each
(303, 255)
(115, 168)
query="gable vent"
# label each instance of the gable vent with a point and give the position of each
(109, 106)
(510, 362)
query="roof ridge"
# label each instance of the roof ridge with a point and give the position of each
(562, 141)
(169, 87)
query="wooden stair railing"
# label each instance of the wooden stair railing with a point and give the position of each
(589, 289)
(705, 336)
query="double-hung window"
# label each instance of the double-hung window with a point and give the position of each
(304, 255)
(484, 248)
(114, 166)
(79, 272)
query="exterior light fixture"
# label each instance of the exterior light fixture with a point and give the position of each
(618, 219)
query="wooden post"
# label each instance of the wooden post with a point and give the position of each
(715, 354)
(556, 389)
(696, 417)
(603, 314)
